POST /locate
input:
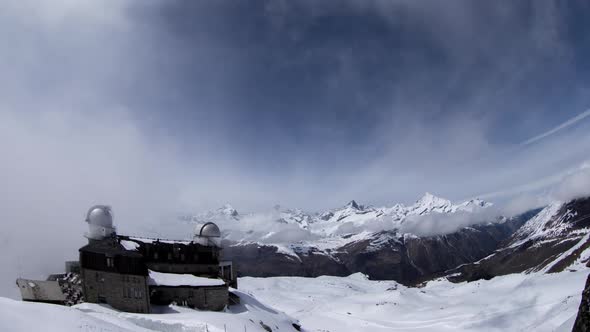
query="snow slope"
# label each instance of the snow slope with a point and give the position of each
(536, 228)
(250, 315)
(517, 302)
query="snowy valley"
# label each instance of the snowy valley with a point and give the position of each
(517, 302)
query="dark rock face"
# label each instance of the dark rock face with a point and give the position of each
(410, 260)
(383, 256)
(513, 260)
(473, 253)
(582, 323)
(521, 255)
(266, 261)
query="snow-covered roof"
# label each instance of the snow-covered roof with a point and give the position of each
(153, 240)
(129, 245)
(173, 279)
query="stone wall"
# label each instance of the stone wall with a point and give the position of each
(205, 298)
(121, 291)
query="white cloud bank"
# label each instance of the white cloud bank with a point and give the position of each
(574, 185)
(65, 142)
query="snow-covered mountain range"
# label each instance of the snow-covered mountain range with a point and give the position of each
(350, 218)
(411, 243)
(408, 243)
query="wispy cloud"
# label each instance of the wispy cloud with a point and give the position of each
(558, 128)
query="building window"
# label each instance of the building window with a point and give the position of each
(110, 262)
(169, 256)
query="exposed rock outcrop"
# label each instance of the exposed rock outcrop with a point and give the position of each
(550, 242)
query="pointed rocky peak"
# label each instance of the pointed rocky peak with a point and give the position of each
(354, 205)
(326, 215)
(479, 202)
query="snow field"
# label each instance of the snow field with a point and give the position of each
(518, 302)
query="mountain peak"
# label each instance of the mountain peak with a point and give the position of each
(354, 205)
(431, 203)
(473, 204)
(228, 210)
(431, 199)
(479, 202)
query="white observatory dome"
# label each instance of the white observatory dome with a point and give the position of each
(100, 215)
(208, 230)
(100, 222)
(207, 234)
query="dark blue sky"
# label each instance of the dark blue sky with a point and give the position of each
(328, 76)
(318, 102)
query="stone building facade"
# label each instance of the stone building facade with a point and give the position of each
(213, 298)
(113, 275)
(131, 273)
(118, 271)
(121, 291)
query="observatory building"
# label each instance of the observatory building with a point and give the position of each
(132, 273)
